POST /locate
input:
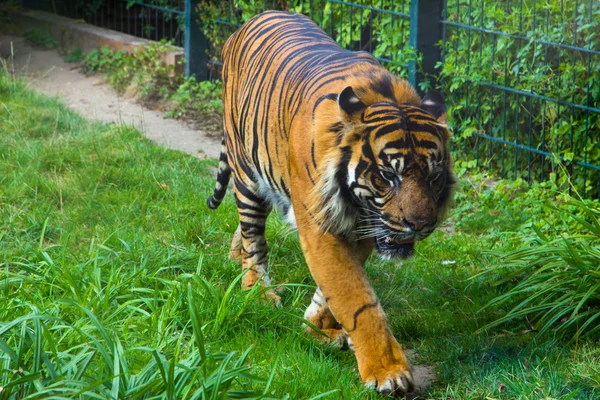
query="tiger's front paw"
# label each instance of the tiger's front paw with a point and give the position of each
(391, 379)
(272, 296)
(335, 337)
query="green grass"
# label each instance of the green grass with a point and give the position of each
(115, 283)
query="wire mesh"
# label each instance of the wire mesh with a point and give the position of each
(153, 19)
(524, 78)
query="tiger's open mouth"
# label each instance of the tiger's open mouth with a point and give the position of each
(390, 248)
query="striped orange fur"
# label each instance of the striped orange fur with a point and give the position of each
(349, 153)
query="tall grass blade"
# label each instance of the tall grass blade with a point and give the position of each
(322, 395)
(197, 328)
(116, 381)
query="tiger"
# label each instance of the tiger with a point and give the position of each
(350, 155)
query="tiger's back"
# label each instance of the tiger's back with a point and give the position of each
(277, 68)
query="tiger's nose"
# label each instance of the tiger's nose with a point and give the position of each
(416, 224)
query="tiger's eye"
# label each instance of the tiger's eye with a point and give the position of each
(437, 180)
(388, 175)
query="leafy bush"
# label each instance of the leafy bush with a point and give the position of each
(202, 96)
(557, 276)
(40, 38)
(144, 66)
(99, 60)
(74, 55)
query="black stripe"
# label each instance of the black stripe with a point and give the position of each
(309, 174)
(426, 144)
(389, 128)
(384, 85)
(243, 190)
(360, 311)
(328, 96)
(252, 228)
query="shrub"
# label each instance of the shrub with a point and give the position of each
(144, 67)
(75, 55)
(40, 38)
(201, 96)
(104, 60)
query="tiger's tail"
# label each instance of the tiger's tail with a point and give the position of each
(223, 175)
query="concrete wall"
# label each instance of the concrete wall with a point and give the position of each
(76, 33)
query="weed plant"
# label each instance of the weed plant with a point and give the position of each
(158, 85)
(40, 38)
(74, 55)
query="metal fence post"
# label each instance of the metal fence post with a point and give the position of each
(425, 32)
(195, 44)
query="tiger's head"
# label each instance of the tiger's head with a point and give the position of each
(393, 171)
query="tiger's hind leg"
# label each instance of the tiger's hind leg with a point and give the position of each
(235, 251)
(253, 213)
(319, 314)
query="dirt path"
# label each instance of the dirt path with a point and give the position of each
(51, 75)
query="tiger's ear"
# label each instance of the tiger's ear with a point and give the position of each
(349, 102)
(434, 104)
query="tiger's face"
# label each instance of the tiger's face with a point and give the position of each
(399, 173)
